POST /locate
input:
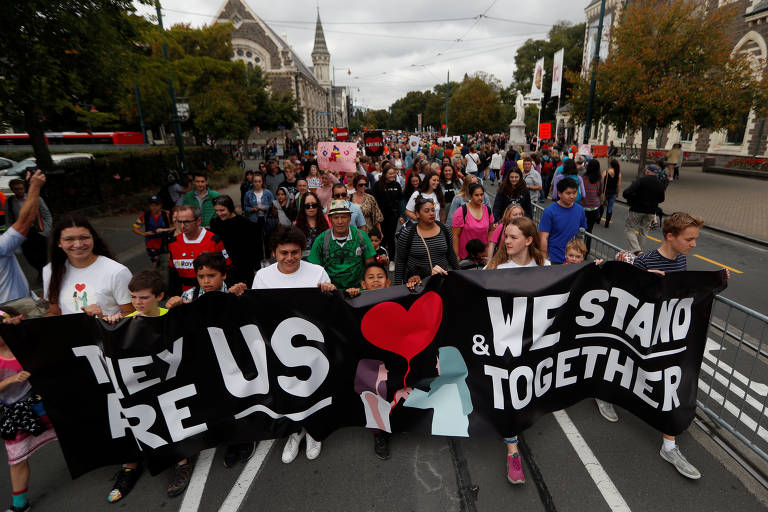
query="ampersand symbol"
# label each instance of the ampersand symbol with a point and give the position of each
(479, 346)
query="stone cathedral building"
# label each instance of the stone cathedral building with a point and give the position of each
(749, 33)
(322, 105)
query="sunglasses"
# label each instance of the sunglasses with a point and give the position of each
(362, 184)
(310, 206)
(339, 196)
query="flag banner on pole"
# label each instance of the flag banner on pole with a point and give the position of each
(336, 156)
(471, 354)
(557, 72)
(538, 80)
(373, 143)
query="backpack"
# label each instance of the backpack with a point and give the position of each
(167, 237)
(464, 212)
(412, 234)
(546, 166)
(327, 243)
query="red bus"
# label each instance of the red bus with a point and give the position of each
(72, 138)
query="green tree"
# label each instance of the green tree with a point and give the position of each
(377, 119)
(475, 106)
(53, 52)
(405, 110)
(670, 62)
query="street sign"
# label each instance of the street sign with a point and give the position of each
(341, 133)
(545, 131)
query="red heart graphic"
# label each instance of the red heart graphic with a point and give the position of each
(80, 287)
(390, 327)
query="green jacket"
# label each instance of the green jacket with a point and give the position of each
(206, 211)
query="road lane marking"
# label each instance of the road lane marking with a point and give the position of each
(239, 491)
(648, 236)
(718, 264)
(194, 493)
(604, 484)
(713, 346)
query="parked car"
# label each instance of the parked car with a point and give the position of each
(6, 163)
(60, 162)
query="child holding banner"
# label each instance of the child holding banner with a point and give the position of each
(25, 426)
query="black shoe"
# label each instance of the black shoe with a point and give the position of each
(381, 445)
(181, 475)
(125, 479)
(240, 452)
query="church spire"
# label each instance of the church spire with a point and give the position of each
(320, 46)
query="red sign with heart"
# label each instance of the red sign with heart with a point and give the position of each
(80, 287)
(390, 327)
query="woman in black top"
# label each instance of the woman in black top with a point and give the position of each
(388, 195)
(612, 179)
(425, 247)
(513, 191)
(239, 237)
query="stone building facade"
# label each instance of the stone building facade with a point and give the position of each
(256, 44)
(749, 33)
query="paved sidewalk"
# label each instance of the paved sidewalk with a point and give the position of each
(732, 203)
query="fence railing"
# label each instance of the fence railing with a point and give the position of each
(733, 382)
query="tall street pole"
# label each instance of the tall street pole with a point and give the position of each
(141, 112)
(174, 113)
(593, 81)
(447, 99)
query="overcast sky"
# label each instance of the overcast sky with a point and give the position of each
(387, 60)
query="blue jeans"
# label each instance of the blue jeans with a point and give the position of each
(510, 439)
(609, 200)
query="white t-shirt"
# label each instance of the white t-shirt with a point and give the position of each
(411, 205)
(512, 264)
(103, 282)
(309, 275)
(472, 160)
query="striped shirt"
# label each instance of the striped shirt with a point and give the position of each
(655, 261)
(440, 250)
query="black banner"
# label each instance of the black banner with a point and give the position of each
(474, 353)
(373, 142)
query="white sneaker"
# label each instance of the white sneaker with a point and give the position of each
(675, 457)
(313, 448)
(391, 266)
(607, 411)
(291, 449)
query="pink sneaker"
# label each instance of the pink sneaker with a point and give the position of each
(515, 469)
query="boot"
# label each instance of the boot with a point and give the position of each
(608, 219)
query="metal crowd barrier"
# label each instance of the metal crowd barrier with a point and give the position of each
(733, 382)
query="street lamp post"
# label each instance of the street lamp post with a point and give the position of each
(172, 94)
(593, 81)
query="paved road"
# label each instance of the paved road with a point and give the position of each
(573, 460)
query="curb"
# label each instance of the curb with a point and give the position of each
(723, 231)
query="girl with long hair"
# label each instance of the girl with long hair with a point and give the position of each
(612, 180)
(593, 195)
(311, 220)
(512, 212)
(388, 195)
(472, 221)
(239, 237)
(449, 184)
(429, 188)
(520, 247)
(513, 191)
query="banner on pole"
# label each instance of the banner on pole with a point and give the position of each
(232, 369)
(373, 143)
(557, 72)
(538, 80)
(336, 156)
(545, 130)
(414, 143)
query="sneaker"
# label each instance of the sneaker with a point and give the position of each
(291, 449)
(313, 448)
(125, 479)
(515, 469)
(240, 452)
(675, 457)
(181, 475)
(607, 411)
(381, 445)
(25, 508)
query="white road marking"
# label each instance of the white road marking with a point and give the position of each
(239, 491)
(604, 484)
(733, 409)
(733, 388)
(194, 493)
(758, 387)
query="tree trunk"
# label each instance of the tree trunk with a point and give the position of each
(34, 128)
(645, 133)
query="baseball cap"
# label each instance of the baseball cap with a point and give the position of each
(338, 206)
(156, 200)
